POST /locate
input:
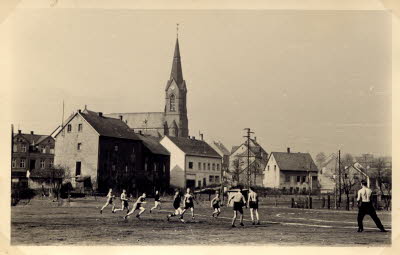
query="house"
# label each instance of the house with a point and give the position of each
(327, 174)
(291, 172)
(244, 157)
(224, 153)
(193, 163)
(31, 153)
(102, 153)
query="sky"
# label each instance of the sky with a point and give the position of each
(314, 81)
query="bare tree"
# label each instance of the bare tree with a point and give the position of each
(320, 159)
(384, 181)
(348, 177)
(235, 170)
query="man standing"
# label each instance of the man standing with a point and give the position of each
(238, 202)
(157, 202)
(177, 206)
(366, 207)
(253, 204)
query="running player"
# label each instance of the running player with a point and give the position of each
(138, 206)
(215, 203)
(238, 202)
(177, 206)
(124, 202)
(157, 202)
(188, 202)
(253, 204)
(366, 207)
(110, 201)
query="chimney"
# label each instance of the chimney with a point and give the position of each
(31, 132)
(19, 131)
(193, 137)
(120, 117)
(202, 137)
(189, 136)
(79, 110)
(288, 150)
(100, 114)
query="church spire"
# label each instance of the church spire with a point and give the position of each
(176, 71)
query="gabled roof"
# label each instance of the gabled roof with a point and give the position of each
(141, 120)
(221, 147)
(33, 138)
(194, 147)
(294, 161)
(153, 144)
(108, 127)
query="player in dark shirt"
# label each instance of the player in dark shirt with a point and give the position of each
(215, 203)
(188, 201)
(138, 206)
(177, 206)
(157, 202)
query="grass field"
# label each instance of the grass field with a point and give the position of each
(42, 222)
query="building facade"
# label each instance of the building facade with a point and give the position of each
(102, 153)
(173, 121)
(30, 153)
(291, 172)
(193, 164)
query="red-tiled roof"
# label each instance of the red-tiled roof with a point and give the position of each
(194, 147)
(295, 161)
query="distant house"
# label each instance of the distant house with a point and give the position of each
(223, 152)
(291, 172)
(194, 163)
(102, 153)
(238, 163)
(327, 174)
(30, 154)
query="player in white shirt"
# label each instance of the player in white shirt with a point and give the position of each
(238, 202)
(138, 206)
(124, 202)
(188, 201)
(110, 201)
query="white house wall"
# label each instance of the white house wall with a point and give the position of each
(271, 174)
(177, 163)
(200, 174)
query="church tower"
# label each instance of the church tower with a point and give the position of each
(176, 121)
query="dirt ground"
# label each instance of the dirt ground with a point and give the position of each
(43, 222)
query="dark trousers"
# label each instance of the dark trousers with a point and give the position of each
(368, 208)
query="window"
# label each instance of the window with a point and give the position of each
(204, 166)
(298, 178)
(291, 190)
(79, 127)
(213, 166)
(43, 149)
(126, 168)
(211, 178)
(198, 183)
(23, 148)
(113, 167)
(145, 164)
(304, 179)
(51, 163)
(51, 150)
(217, 167)
(199, 166)
(42, 164)
(22, 163)
(217, 179)
(208, 166)
(287, 178)
(268, 167)
(79, 147)
(69, 128)
(14, 163)
(163, 169)
(154, 166)
(172, 103)
(274, 167)
(15, 148)
(78, 168)
(116, 148)
(190, 165)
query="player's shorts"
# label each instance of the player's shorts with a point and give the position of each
(110, 201)
(253, 205)
(237, 206)
(138, 206)
(189, 205)
(125, 203)
(215, 206)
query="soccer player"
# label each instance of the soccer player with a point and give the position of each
(177, 206)
(188, 201)
(110, 201)
(157, 202)
(253, 204)
(215, 203)
(366, 207)
(138, 206)
(124, 202)
(238, 202)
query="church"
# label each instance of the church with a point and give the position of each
(173, 121)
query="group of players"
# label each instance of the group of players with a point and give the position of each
(188, 200)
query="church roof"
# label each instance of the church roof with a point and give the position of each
(153, 144)
(109, 127)
(176, 71)
(141, 120)
(294, 161)
(194, 147)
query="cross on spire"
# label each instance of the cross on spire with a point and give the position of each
(177, 30)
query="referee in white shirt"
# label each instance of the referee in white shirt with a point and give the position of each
(366, 207)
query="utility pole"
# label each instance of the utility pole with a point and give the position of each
(340, 182)
(248, 135)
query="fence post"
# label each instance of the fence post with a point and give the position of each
(292, 202)
(329, 202)
(310, 203)
(323, 202)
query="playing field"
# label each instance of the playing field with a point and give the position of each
(42, 222)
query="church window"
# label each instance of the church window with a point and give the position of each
(172, 103)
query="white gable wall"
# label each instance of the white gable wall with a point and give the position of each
(177, 163)
(271, 173)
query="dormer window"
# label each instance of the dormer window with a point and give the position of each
(172, 103)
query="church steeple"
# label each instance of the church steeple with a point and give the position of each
(176, 71)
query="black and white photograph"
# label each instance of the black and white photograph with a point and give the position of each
(197, 127)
